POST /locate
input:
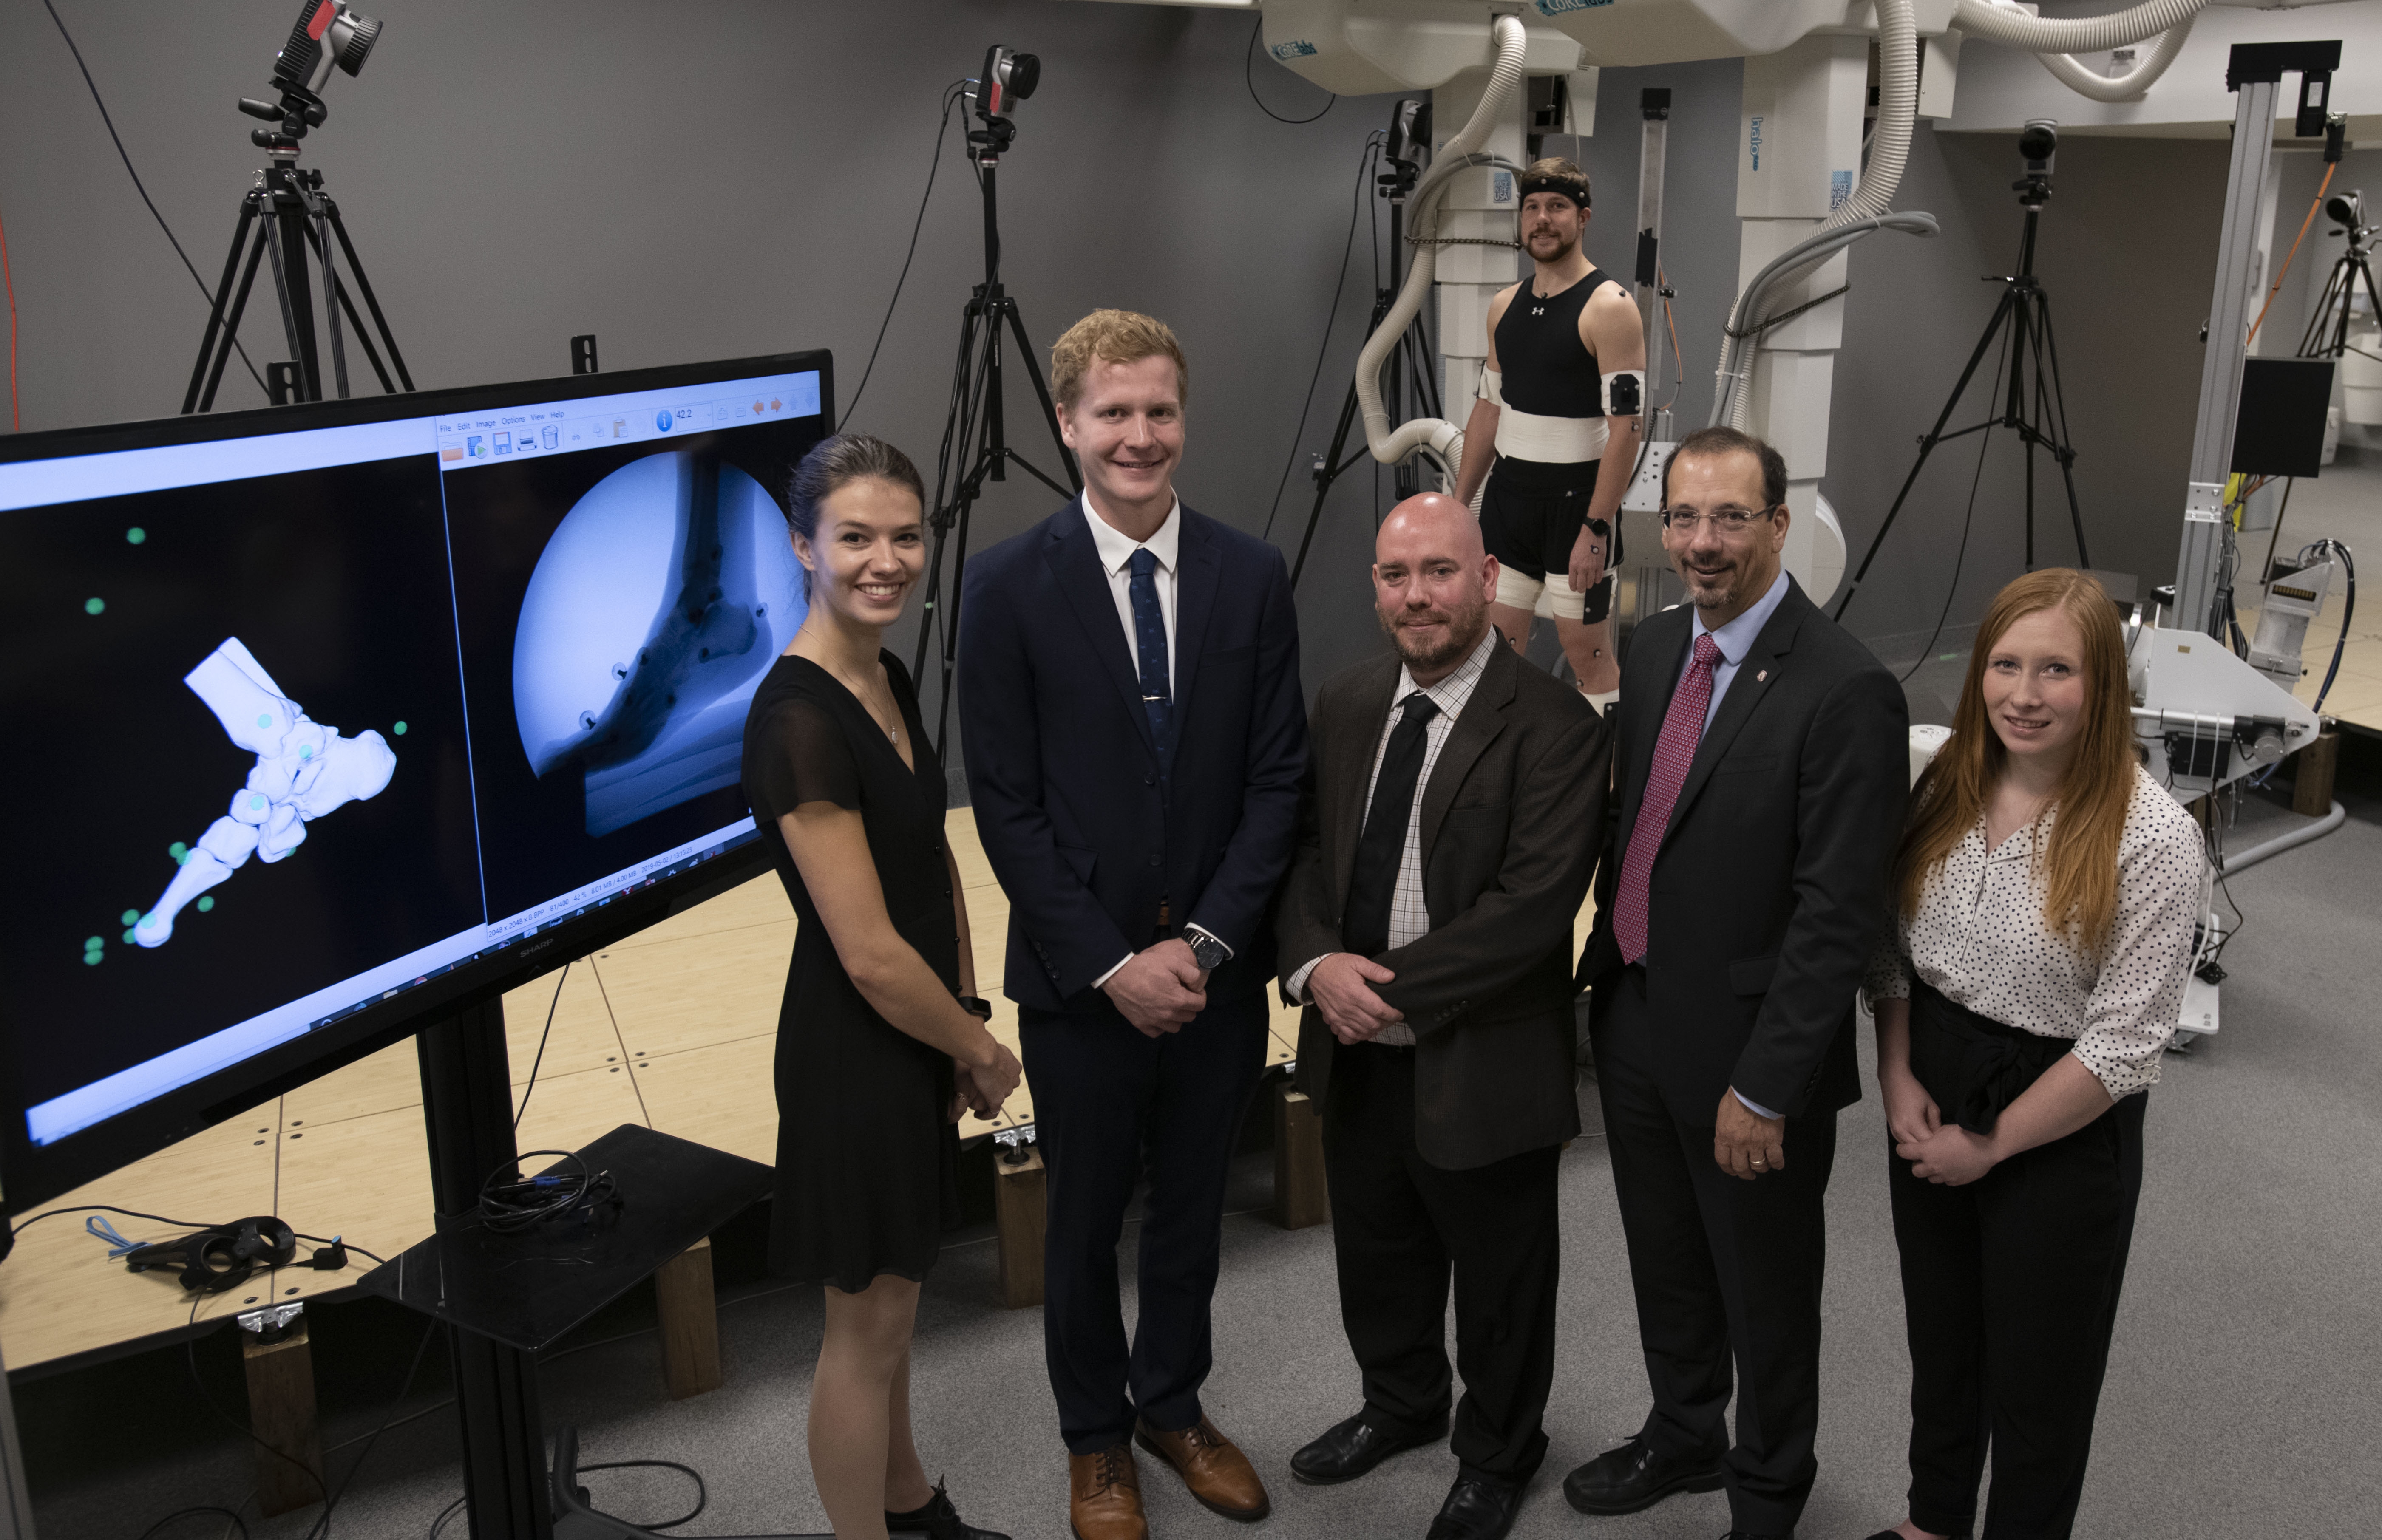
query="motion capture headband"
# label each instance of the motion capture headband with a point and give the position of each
(1572, 187)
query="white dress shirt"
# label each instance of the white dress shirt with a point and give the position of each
(1116, 551)
(1735, 640)
(1409, 919)
(1116, 559)
(1980, 939)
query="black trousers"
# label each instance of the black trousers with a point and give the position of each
(1722, 1269)
(1111, 1107)
(2010, 1285)
(1401, 1227)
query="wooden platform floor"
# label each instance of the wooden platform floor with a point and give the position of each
(674, 1028)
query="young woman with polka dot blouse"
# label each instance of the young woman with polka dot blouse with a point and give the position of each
(2046, 890)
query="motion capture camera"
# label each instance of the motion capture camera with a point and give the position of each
(2038, 143)
(1403, 151)
(2346, 210)
(1009, 78)
(329, 34)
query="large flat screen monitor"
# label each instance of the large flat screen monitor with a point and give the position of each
(327, 719)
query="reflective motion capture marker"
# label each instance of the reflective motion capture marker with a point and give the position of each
(399, 729)
(93, 606)
(206, 903)
(135, 535)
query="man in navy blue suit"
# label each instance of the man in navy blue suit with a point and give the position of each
(1131, 710)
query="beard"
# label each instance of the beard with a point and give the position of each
(1716, 592)
(1564, 248)
(1464, 625)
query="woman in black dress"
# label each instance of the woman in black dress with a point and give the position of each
(881, 1043)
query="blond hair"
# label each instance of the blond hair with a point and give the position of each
(1112, 337)
(2080, 860)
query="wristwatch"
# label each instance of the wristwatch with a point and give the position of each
(1209, 952)
(980, 1008)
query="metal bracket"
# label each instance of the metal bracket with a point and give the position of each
(2205, 504)
(271, 1323)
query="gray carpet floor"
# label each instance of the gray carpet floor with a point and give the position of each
(2240, 1398)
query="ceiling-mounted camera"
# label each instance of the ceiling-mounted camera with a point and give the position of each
(329, 34)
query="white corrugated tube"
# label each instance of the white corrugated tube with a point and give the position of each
(2043, 35)
(2134, 82)
(1442, 439)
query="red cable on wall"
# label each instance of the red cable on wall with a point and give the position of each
(16, 418)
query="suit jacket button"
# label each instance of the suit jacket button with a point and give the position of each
(1155, 858)
(1150, 780)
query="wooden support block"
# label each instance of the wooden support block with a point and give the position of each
(690, 1322)
(2311, 771)
(1021, 1210)
(1299, 1198)
(281, 1413)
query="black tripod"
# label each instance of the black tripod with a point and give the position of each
(289, 216)
(1409, 363)
(2032, 405)
(974, 429)
(2327, 329)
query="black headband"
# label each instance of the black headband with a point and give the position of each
(1572, 187)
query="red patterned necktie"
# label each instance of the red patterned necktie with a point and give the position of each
(1674, 751)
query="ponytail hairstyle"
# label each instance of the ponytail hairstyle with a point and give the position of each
(2077, 865)
(833, 463)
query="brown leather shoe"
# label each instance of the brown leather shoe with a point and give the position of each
(1215, 1469)
(1104, 1496)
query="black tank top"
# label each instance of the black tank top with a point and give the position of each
(1547, 370)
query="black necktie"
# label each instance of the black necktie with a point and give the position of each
(1150, 646)
(1374, 881)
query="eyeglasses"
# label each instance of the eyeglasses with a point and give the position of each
(1723, 520)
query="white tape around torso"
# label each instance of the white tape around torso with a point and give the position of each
(1552, 440)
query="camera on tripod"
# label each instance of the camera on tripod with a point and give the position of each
(329, 34)
(2348, 211)
(2038, 146)
(1008, 76)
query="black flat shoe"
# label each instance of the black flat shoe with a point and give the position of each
(1477, 1510)
(1634, 1478)
(937, 1520)
(1351, 1449)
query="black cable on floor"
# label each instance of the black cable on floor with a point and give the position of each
(321, 1527)
(550, 1005)
(238, 1522)
(702, 1493)
(205, 291)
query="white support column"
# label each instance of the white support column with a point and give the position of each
(1480, 204)
(1799, 157)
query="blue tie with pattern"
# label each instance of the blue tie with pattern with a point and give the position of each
(1150, 641)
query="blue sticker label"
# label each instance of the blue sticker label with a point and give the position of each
(1296, 48)
(1840, 186)
(1557, 7)
(1501, 186)
(1754, 140)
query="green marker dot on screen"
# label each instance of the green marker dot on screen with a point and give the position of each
(179, 851)
(136, 535)
(400, 730)
(255, 802)
(93, 960)
(93, 606)
(206, 904)
(132, 916)
(128, 938)
(92, 944)
(304, 751)
(264, 721)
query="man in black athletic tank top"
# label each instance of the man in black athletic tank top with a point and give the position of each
(1558, 405)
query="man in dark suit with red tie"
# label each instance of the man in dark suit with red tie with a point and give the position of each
(1130, 704)
(1761, 758)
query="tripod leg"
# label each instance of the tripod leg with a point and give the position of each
(216, 314)
(256, 250)
(363, 284)
(319, 238)
(2061, 446)
(959, 433)
(1927, 446)
(1323, 480)
(297, 290)
(355, 323)
(1042, 393)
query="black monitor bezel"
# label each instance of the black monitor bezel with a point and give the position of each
(30, 1174)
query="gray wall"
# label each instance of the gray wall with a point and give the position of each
(692, 182)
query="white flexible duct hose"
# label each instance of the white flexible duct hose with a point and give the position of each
(2040, 34)
(1444, 438)
(2129, 87)
(1731, 396)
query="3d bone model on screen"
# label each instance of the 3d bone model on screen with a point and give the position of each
(303, 770)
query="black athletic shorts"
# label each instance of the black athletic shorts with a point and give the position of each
(1531, 515)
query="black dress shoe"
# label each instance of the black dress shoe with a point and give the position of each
(1351, 1449)
(1477, 1510)
(939, 1519)
(1634, 1476)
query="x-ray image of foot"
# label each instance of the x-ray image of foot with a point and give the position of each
(303, 770)
(662, 597)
